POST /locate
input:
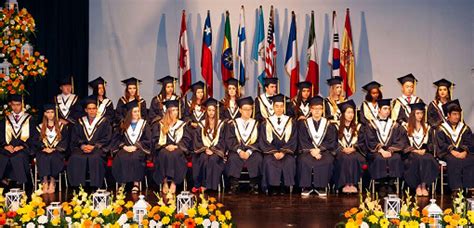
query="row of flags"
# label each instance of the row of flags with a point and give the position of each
(341, 60)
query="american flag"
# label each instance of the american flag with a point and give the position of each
(270, 50)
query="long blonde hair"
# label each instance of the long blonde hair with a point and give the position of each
(166, 121)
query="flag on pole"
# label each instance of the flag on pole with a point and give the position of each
(347, 59)
(291, 60)
(334, 52)
(270, 49)
(241, 47)
(312, 67)
(184, 65)
(206, 56)
(258, 53)
(227, 60)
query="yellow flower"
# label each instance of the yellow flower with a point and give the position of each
(384, 222)
(77, 208)
(198, 220)
(165, 220)
(453, 222)
(378, 213)
(55, 221)
(447, 218)
(25, 218)
(202, 211)
(129, 204)
(373, 219)
(403, 224)
(77, 215)
(86, 211)
(221, 218)
(404, 213)
(106, 212)
(191, 212)
(462, 222)
(94, 213)
(448, 211)
(120, 202)
(228, 215)
(413, 224)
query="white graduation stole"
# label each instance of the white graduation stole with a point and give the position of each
(266, 109)
(101, 109)
(454, 134)
(65, 105)
(439, 107)
(172, 98)
(90, 128)
(304, 109)
(383, 131)
(246, 133)
(370, 111)
(175, 133)
(419, 137)
(406, 105)
(233, 109)
(349, 138)
(317, 135)
(51, 140)
(282, 130)
(197, 112)
(335, 112)
(207, 137)
(133, 135)
(20, 129)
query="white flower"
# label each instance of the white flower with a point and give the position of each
(206, 222)
(40, 71)
(152, 223)
(5, 42)
(42, 57)
(6, 78)
(40, 226)
(364, 225)
(126, 225)
(68, 219)
(159, 225)
(17, 41)
(27, 106)
(42, 219)
(12, 22)
(30, 225)
(215, 224)
(122, 220)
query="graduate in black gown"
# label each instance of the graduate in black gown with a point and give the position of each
(299, 109)
(51, 145)
(131, 145)
(263, 103)
(444, 89)
(67, 103)
(454, 139)
(369, 108)
(193, 109)
(317, 145)
(209, 149)
(385, 140)
(230, 109)
(421, 168)
(278, 141)
(89, 144)
(401, 106)
(241, 138)
(105, 106)
(17, 134)
(335, 97)
(132, 92)
(157, 109)
(351, 149)
(171, 140)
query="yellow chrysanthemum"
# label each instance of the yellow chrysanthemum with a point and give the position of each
(202, 211)
(106, 212)
(384, 222)
(221, 218)
(165, 220)
(413, 224)
(447, 218)
(191, 212)
(228, 215)
(373, 219)
(462, 222)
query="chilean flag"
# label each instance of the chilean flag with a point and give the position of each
(206, 57)
(291, 60)
(184, 65)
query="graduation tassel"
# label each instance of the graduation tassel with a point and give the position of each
(179, 108)
(22, 103)
(414, 87)
(355, 114)
(72, 84)
(278, 87)
(56, 111)
(451, 90)
(253, 111)
(312, 90)
(205, 92)
(284, 105)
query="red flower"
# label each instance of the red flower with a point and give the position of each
(189, 222)
(11, 214)
(2, 221)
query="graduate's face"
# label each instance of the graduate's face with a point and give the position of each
(374, 93)
(316, 111)
(271, 89)
(337, 89)
(279, 108)
(100, 90)
(199, 94)
(16, 106)
(232, 90)
(384, 111)
(66, 89)
(91, 110)
(246, 111)
(211, 111)
(305, 93)
(173, 112)
(349, 114)
(443, 92)
(169, 89)
(136, 113)
(419, 115)
(407, 88)
(49, 114)
(454, 117)
(132, 90)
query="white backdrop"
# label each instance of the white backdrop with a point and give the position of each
(430, 38)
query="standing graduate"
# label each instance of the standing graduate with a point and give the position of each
(401, 106)
(171, 140)
(17, 134)
(89, 143)
(209, 149)
(369, 108)
(385, 141)
(193, 110)
(263, 103)
(335, 97)
(300, 104)
(242, 143)
(351, 149)
(444, 90)
(278, 141)
(454, 139)
(157, 108)
(132, 92)
(230, 109)
(131, 145)
(52, 142)
(317, 144)
(421, 168)
(105, 106)
(67, 103)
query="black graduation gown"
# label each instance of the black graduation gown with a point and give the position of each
(272, 141)
(263, 108)
(126, 166)
(460, 171)
(207, 169)
(51, 164)
(349, 166)
(302, 110)
(368, 113)
(420, 168)
(380, 167)
(230, 113)
(311, 171)
(331, 111)
(193, 116)
(22, 133)
(69, 109)
(171, 164)
(106, 108)
(121, 111)
(157, 109)
(435, 114)
(242, 139)
(401, 110)
(99, 134)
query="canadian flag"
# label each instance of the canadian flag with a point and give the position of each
(184, 65)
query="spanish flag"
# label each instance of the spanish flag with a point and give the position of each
(347, 59)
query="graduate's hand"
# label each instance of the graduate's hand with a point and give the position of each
(18, 148)
(455, 154)
(386, 154)
(318, 156)
(463, 154)
(348, 150)
(422, 151)
(63, 121)
(209, 152)
(171, 147)
(301, 118)
(314, 152)
(244, 155)
(9, 148)
(133, 148)
(194, 125)
(279, 155)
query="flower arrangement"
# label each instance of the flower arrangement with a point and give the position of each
(369, 213)
(5, 110)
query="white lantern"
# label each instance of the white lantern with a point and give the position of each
(392, 206)
(139, 209)
(5, 67)
(101, 200)
(435, 212)
(11, 5)
(13, 199)
(26, 49)
(184, 202)
(470, 204)
(51, 208)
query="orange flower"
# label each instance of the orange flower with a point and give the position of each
(155, 209)
(97, 226)
(416, 213)
(87, 223)
(55, 212)
(360, 215)
(129, 214)
(353, 210)
(118, 210)
(176, 225)
(189, 223)
(347, 214)
(145, 222)
(37, 54)
(395, 221)
(424, 212)
(219, 205)
(456, 217)
(156, 217)
(212, 207)
(212, 199)
(425, 220)
(212, 218)
(179, 216)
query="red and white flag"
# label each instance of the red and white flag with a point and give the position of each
(291, 60)
(184, 64)
(334, 58)
(312, 68)
(270, 49)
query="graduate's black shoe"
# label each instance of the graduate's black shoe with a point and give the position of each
(234, 189)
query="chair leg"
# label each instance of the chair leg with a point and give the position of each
(185, 183)
(398, 186)
(105, 181)
(65, 179)
(36, 175)
(442, 181)
(60, 182)
(360, 184)
(223, 183)
(146, 182)
(291, 189)
(372, 184)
